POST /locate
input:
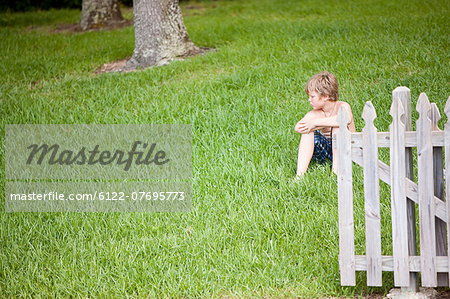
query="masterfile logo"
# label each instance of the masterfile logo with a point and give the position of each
(116, 168)
(54, 155)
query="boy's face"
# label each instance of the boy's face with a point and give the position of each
(316, 100)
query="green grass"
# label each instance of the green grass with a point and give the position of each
(252, 231)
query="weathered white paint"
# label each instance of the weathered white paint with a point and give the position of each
(398, 195)
(372, 197)
(345, 202)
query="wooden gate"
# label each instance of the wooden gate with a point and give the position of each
(434, 208)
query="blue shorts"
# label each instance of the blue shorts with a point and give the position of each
(323, 149)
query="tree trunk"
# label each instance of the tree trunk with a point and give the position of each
(99, 13)
(160, 34)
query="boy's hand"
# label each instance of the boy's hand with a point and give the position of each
(305, 126)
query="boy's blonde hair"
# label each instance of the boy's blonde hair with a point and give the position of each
(325, 84)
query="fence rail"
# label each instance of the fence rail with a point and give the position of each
(434, 203)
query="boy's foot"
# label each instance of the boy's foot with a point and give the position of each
(298, 177)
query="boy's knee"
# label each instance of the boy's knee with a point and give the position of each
(307, 139)
(308, 136)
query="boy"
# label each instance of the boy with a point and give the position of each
(321, 122)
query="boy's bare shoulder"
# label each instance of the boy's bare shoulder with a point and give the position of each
(345, 104)
(339, 104)
(314, 113)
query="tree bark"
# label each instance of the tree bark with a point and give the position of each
(160, 34)
(99, 13)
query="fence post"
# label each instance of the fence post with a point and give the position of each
(345, 201)
(404, 94)
(438, 178)
(372, 197)
(426, 194)
(398, 196)
(447, 173)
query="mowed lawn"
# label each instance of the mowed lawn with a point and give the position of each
(252, 231)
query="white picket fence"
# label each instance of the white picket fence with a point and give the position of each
(434, 208)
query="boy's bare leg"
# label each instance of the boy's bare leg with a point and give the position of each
(305, 153)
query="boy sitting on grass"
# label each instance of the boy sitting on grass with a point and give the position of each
(320, 123)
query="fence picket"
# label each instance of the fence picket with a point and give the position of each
(426, 192)
(398, 196)
(404, 94)
(438, 179)
(372, 197)
(447, 173)
(345, 201)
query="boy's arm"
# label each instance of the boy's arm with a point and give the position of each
(351, 123)
(307, 125)
(308, 118)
